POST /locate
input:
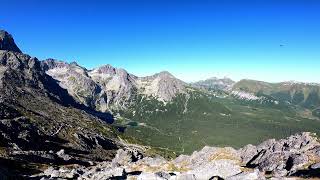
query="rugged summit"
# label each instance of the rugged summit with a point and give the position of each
(7, 43)
(163, 86)
(118, 85)
(75, 80)
(107, 88)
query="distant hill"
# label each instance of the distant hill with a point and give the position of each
(214, 84)
(304, 94)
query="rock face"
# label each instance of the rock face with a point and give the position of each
(7, 43)
(107, 88)
(295, 156)
(75, 80)
(118, 85)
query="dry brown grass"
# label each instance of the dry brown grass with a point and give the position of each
(312, 160)
(182, 168)
(169, 167)
(3, 152)
(224, 153)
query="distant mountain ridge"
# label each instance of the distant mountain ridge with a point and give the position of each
(304, 94)
(214, 83)
(105, 88)
(293, 92)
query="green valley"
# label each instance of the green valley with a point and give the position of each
(198, 118)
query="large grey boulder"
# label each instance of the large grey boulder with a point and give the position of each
(281, 157)
(249, 175)
(219, 168)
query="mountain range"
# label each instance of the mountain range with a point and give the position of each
(56, 115)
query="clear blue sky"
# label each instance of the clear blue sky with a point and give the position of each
(191, 39)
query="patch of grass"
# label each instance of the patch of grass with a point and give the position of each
(167, 154)
(224, 153)
(71, 78)
(173, 168)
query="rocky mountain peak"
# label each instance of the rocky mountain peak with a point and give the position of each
(7, 42)
(105, 69)
(164, 86)
(52, 63)
(108, 70)
(108, 87)
(165, 73)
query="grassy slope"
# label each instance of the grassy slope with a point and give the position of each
(211, 121)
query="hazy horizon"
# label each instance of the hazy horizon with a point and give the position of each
(271, 41)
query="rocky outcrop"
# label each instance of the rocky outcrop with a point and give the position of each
(7, 43)
(295, 156)
(283, 157)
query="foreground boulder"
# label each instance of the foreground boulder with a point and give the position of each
(283, 157)
(293, 157)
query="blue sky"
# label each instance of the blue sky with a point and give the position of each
(191, 39)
